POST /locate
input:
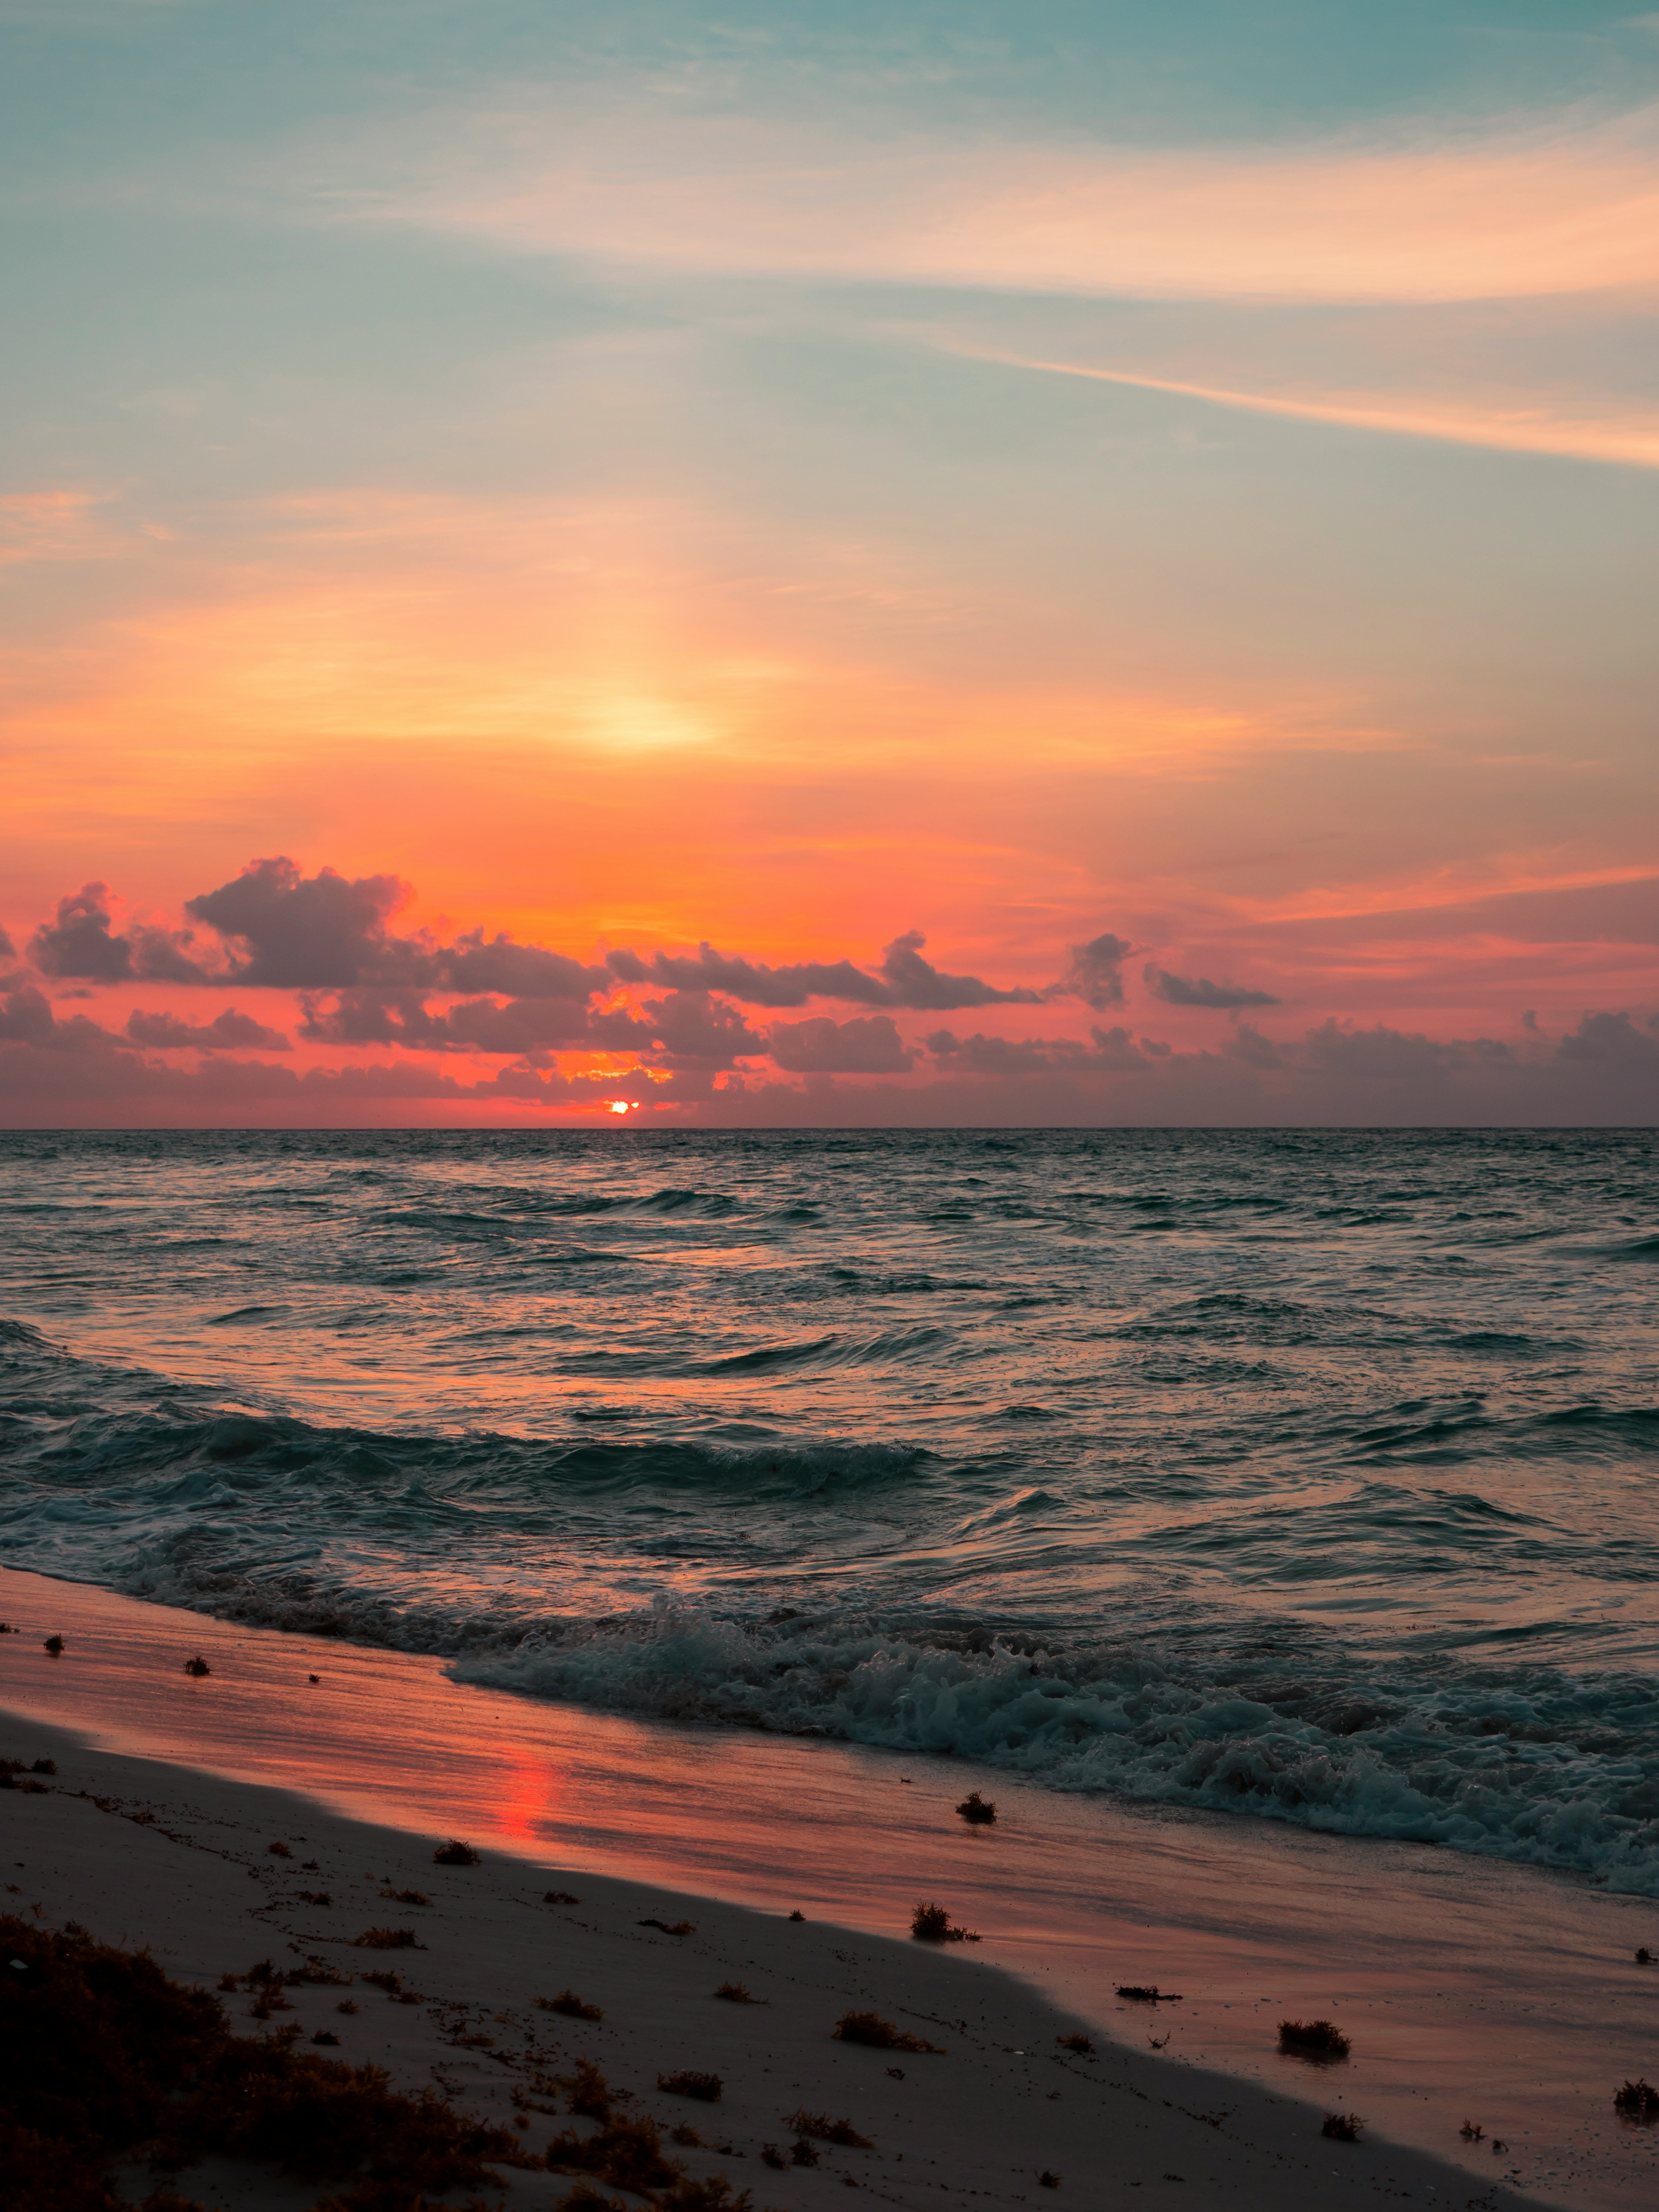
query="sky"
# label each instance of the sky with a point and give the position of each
(983, 564)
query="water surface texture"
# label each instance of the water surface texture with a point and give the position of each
(1309, 1475)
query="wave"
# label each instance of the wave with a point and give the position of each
(1541, 1767)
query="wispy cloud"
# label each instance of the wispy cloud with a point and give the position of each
(1551, 205)
(1631, 438)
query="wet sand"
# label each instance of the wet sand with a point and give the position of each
(1471, 1990)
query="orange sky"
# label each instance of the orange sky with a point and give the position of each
(840, 494)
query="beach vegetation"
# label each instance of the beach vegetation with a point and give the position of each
(878, 2034)
(105, 2061)
(584, 2197)
(772, 2156)
(570, 2006)
(706, 2088)
(737, 1993)
(279, 1850)
(978, 1812)
(317, 1974)
(455, 1853)
(319, 1897)
(686, 2136)
(626, 2153)
(1320, 2040)
(197, 1666)
(1083, 2044)
(824, 2129)
(1343, 2127)
(1644, 1956)
(798, 1916)
(346, 2006)
(932, 1924)
(324, 2035)
(559, 1897)
(591, 2095)
(803, 2152)
(43, 1766)
(54, 1645)
(712, 2194)
(387, 1939)
(406, 1896)
(386, 1980)
(1636, 2100)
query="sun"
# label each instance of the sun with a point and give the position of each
(620, 1105)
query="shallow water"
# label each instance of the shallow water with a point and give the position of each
(1306, 1474)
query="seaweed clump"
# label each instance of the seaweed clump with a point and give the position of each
(1083, 2044)
(104, 2060)
(570, 2006)
(706, 2088)
(387, 1939)
(455, 1853)
(820, 2126)
(978, 1812)
(878, 2034)
(1149, 1993)
(737, 1993)
(1636, 2100)
(628, 2154)
(932, 1924)
(1319, 2039)
(1343, 2127)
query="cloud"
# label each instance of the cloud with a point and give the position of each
(1612, 1039)
(906, 980)
(752, 981)
(1549, 205)
(296, 932)
(866, 1045)
(1114, 1049)
(1199, 991)
(1623, 432)
(8, 949)
(1095, 973)
(80, 944)
(912, 982)
(227, 1032)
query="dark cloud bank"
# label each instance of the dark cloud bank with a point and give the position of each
(700, 1028)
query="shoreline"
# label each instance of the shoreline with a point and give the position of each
(1249, 1930)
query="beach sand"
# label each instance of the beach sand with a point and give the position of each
(383, 1757)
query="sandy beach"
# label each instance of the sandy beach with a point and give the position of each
(174, 1852)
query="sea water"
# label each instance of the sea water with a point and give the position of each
(1304, 1476)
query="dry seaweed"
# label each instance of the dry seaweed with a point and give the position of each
(878, 2034)
(1083, 2044)
(1343, 2127)
(978, 1812)
(824, 2129)
(932, 1924)
(111, 2061)
(706, 2088)
(455, 1853)
(737, 1993)
(570, 2005)
(628, 2154)
(387, 1939)
(1319, 2039)
(1636, 2100)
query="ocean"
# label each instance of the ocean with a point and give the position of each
(1308, 1476)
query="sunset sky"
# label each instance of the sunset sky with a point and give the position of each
(918, 563)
